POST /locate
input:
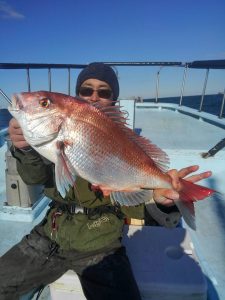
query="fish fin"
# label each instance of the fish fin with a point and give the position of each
(131, 198)
(159, 157)
(114, 112)
(187, 211)
(189, 194)
(64, 174)
(120, 117)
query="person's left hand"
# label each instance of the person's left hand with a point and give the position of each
(167, 196)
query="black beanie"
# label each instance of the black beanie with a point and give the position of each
(101, 72)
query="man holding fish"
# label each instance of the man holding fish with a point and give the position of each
(74, 147)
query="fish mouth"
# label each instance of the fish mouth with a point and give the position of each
(16, 103)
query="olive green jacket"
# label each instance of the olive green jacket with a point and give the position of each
(79, 231)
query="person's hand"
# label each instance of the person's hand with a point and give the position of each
(167, 196)
(16, 134)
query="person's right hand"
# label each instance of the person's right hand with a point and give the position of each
(16, 134)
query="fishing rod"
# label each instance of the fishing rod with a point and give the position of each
(219, 146)
(5, 96)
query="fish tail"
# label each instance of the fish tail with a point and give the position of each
(189, 194)
(192, 192)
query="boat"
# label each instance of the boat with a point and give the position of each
(189, 134)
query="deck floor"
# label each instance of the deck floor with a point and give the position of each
(184, 131)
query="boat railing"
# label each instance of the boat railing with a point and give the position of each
(207, 65)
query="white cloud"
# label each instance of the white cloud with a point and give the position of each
(7, 12)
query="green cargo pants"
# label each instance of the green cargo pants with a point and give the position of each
(36, 261)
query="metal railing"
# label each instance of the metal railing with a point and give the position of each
(207, 65)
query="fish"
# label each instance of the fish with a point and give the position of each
(94, 143)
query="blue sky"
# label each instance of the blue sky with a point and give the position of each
(75, 31)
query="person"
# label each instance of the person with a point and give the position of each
(83, 235)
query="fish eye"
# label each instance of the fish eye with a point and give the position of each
(45, 102)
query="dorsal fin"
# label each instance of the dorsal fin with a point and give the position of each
(113, 112)
(120, 117)
(159, 157)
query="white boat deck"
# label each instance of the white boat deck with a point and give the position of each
(185, 138)
(185, 132)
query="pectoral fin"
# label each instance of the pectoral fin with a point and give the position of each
(64, 173)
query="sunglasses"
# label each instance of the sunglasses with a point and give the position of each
(102, 93)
